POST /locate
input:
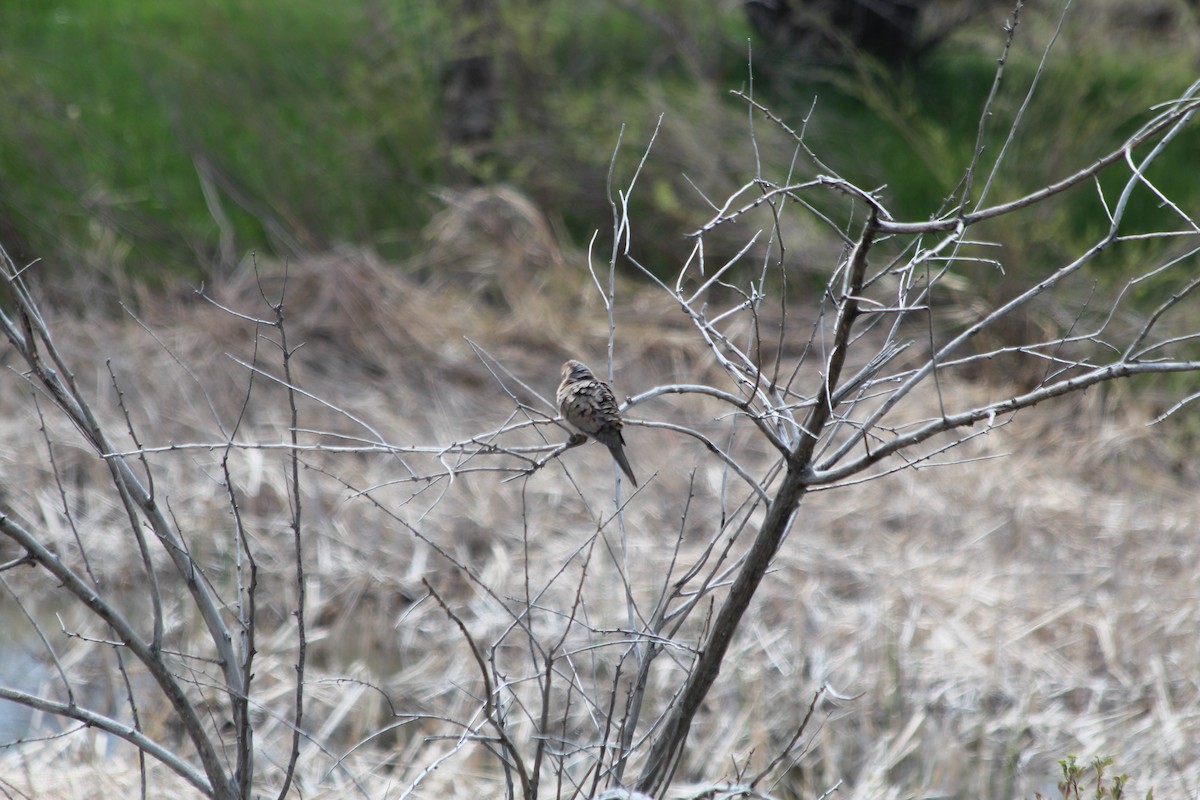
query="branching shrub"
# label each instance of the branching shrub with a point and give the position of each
(576, 665)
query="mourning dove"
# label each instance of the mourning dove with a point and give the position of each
(588, 403)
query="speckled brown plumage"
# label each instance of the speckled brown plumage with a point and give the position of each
(588, 403)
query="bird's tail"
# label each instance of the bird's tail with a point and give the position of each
(618, 454)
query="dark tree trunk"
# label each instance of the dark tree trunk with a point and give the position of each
(816, 30)
(471, 92)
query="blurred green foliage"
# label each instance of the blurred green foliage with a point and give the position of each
(315, 114)
(313, 124)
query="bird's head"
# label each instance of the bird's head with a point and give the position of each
(576, 371)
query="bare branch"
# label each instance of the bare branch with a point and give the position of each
(119, 729)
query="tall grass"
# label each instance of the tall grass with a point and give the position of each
(322, 119)
(316, 124)
(974, 624)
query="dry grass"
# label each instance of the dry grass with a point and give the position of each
(975, 622)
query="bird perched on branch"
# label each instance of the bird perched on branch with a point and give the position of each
(588, 403)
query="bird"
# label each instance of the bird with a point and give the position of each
(589, 404)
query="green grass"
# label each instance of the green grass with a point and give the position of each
(326, 120)
(322, 122)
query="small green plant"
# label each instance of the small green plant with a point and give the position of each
(1081, 780)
